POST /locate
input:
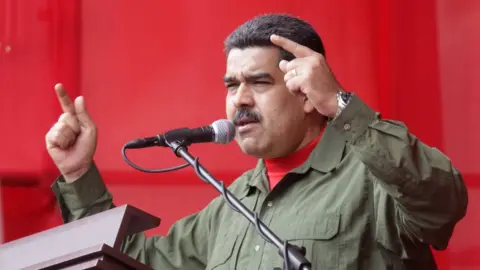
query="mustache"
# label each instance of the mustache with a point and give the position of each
(245, 113)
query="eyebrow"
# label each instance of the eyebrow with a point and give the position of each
(250, 77)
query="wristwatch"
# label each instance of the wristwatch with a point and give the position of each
(343, 98)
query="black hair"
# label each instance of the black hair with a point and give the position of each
(257, 31)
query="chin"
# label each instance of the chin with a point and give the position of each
(252, 147)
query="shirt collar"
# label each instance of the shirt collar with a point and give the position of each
(324, 158)
(327, 154)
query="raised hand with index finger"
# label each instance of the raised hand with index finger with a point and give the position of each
(310, 74)
(71, 142)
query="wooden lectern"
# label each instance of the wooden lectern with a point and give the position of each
(89, 243)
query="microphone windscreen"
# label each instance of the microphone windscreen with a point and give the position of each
(224, 131)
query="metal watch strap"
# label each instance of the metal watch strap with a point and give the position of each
(343, 98)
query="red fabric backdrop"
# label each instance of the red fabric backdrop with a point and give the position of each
(147, 66)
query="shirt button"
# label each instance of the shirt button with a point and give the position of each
(346, 126)
(257, 247)
(269, 204)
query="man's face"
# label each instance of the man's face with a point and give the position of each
(269, 119)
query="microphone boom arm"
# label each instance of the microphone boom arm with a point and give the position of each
(294, 257)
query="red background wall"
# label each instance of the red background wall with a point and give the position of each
(148, 66)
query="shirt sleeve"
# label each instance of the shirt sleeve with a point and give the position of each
(429, 193)
(184, 247)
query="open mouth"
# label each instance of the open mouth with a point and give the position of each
(244, 121)
(245, 125)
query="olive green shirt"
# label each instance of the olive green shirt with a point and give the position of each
(370, 196)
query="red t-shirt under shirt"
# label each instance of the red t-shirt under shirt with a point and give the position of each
(277, 168)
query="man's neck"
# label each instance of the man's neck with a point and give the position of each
(278, 167)
(312, 134)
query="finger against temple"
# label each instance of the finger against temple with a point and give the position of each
(298, 50)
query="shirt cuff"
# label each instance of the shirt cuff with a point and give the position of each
(81, 193)
(355, 119)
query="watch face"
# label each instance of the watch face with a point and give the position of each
(346, 96)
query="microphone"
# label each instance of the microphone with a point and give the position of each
(221, 131)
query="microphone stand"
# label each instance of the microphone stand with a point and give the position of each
(294, 256)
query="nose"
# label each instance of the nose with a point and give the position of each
(243, 97)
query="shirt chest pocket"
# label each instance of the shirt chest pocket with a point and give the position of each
(319, 236)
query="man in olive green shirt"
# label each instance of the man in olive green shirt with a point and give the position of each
(368, 195)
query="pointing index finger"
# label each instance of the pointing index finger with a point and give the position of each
(64, 99)
(291, 46)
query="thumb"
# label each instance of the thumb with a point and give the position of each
(81, 112)
(283, 65)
